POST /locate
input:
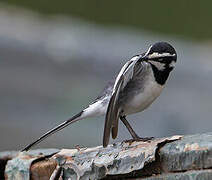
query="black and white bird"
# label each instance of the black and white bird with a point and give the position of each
(139, 82)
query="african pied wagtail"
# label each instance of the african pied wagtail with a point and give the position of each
(138, 84)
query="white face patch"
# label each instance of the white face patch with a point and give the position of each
(160, 66)
(172, 64)
(157, 55)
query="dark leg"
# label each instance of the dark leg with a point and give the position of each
(132, 132)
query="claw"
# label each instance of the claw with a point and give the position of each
(145, 139)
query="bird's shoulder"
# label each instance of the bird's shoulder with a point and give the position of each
(130, 68)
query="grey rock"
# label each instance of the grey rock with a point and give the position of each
(190, 175)
(191, 152)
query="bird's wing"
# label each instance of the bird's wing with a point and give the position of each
(113, 110)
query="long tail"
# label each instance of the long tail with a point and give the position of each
(75, 118)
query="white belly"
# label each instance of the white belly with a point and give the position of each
(143, 99)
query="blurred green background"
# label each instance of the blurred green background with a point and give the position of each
(56, 56)
(186, 19)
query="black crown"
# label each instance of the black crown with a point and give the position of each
(162, 47)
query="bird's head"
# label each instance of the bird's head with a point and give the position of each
(162, 55)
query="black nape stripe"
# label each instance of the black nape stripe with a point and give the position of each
(161, 75)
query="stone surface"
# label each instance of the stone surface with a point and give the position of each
(19, 166)
(4, 157)
(190, 175)
(191, 152)
(98, 162)
(42, 169)
(177, 157)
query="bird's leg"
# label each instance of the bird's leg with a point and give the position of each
(129, 127)
(132, 132)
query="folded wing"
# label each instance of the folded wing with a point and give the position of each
(114, 110)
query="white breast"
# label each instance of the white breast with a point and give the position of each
(145, 98)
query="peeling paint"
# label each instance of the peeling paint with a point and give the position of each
(18, 168)
(194, 147)
(98, 162)
(191, 152)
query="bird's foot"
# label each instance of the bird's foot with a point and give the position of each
(145, 139)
